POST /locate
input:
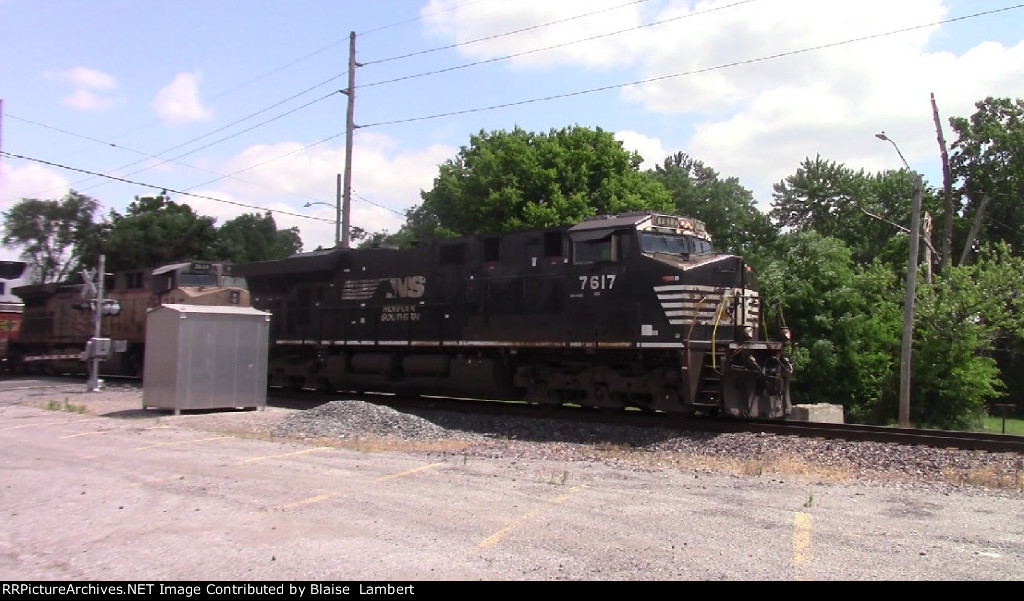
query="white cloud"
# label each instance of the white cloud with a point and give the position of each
(28, 181)
(84, 77)
(85, 100)
(89, 87)
(386, 180)
(479, 28)
(178, 103)
(757, 87)
(650, 149)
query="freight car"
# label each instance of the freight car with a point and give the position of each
(633, 310)
(59, 318)
(13, 274)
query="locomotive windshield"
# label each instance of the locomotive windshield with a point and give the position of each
(197, 279)
(658, 242)
(12, 269)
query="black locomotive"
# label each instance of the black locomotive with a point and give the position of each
(634, 310)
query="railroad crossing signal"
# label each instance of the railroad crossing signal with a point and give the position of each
(109, 306)
(89, 277)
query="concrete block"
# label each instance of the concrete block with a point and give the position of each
(821, 412)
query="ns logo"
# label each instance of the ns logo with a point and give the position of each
(409, 287)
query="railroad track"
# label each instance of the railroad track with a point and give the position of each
(979, 441)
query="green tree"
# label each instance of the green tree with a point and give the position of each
(52, 233)
(960, 321)
(727, 208)
(987, 162)
(512, 180)
(251, 237)
(156, 231)
(865, 211)
(846, 322)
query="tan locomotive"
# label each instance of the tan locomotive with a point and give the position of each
(60, 318)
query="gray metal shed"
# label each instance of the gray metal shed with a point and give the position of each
(205, 357)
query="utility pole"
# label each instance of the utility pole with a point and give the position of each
(911, 293)
(908, 305)
(349, 127)
(95, 384)
(337, 217)
(1, 126)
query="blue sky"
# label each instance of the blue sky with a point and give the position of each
(236, 102)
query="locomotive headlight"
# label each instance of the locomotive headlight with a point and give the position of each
(785, 334)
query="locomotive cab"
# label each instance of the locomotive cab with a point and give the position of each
(657, 279)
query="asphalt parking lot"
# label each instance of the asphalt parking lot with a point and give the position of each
(149, 497)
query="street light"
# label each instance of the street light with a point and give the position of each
(337, 220)
(908, 302)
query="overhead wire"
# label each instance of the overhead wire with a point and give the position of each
(515, 103)
(184, 192)
(132, 150)
(507, 33)
(164, 160)
(206, 135)
(419, 18)
(694, 71)
(553, 47)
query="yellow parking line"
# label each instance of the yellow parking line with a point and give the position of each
(500, 534)
(333, 494)
(82, 434)
(802, 523)
(308, 501)
(33, 425)
(165, 444)
(265, 457)
(408, 472)
(157, 480)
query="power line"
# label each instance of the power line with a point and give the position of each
(501, 35)
(105, 143)
(505, 105)
(379, 206)
(260, 124)
(164, 161)
(693, 72)
(242, 85)
(145, 185)
(553, 47)
(159, 154)
(419, 18)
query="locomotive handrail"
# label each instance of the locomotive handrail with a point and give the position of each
(714, 331)
(693, 324)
